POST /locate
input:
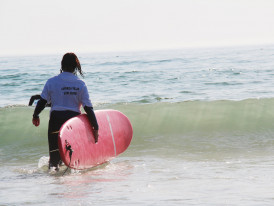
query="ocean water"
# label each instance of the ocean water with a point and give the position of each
(202, 121)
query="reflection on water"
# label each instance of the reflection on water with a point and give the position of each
(78, 184)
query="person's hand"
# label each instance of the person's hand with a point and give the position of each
(36, 121)
(96, 135)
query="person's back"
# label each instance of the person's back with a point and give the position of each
(66, 93)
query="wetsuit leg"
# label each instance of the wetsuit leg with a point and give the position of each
(57, 119)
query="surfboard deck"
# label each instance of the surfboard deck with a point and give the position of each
(115, 134)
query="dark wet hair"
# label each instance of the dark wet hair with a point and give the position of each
(71, 63)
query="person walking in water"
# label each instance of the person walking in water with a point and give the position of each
(66, 93)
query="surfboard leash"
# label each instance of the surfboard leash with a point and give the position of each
(68, 148)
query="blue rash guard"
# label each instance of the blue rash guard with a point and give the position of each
(66, 92)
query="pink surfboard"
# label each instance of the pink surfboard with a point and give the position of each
(115, 134)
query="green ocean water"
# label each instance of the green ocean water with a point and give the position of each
(182, 129)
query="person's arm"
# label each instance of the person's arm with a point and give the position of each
(93, 121)
(39, 107)
(33, 98)
(37, 97)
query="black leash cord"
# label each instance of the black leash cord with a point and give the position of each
(68, 148)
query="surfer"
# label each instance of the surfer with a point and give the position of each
(65, 93)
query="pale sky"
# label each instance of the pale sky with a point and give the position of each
(59, 26)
